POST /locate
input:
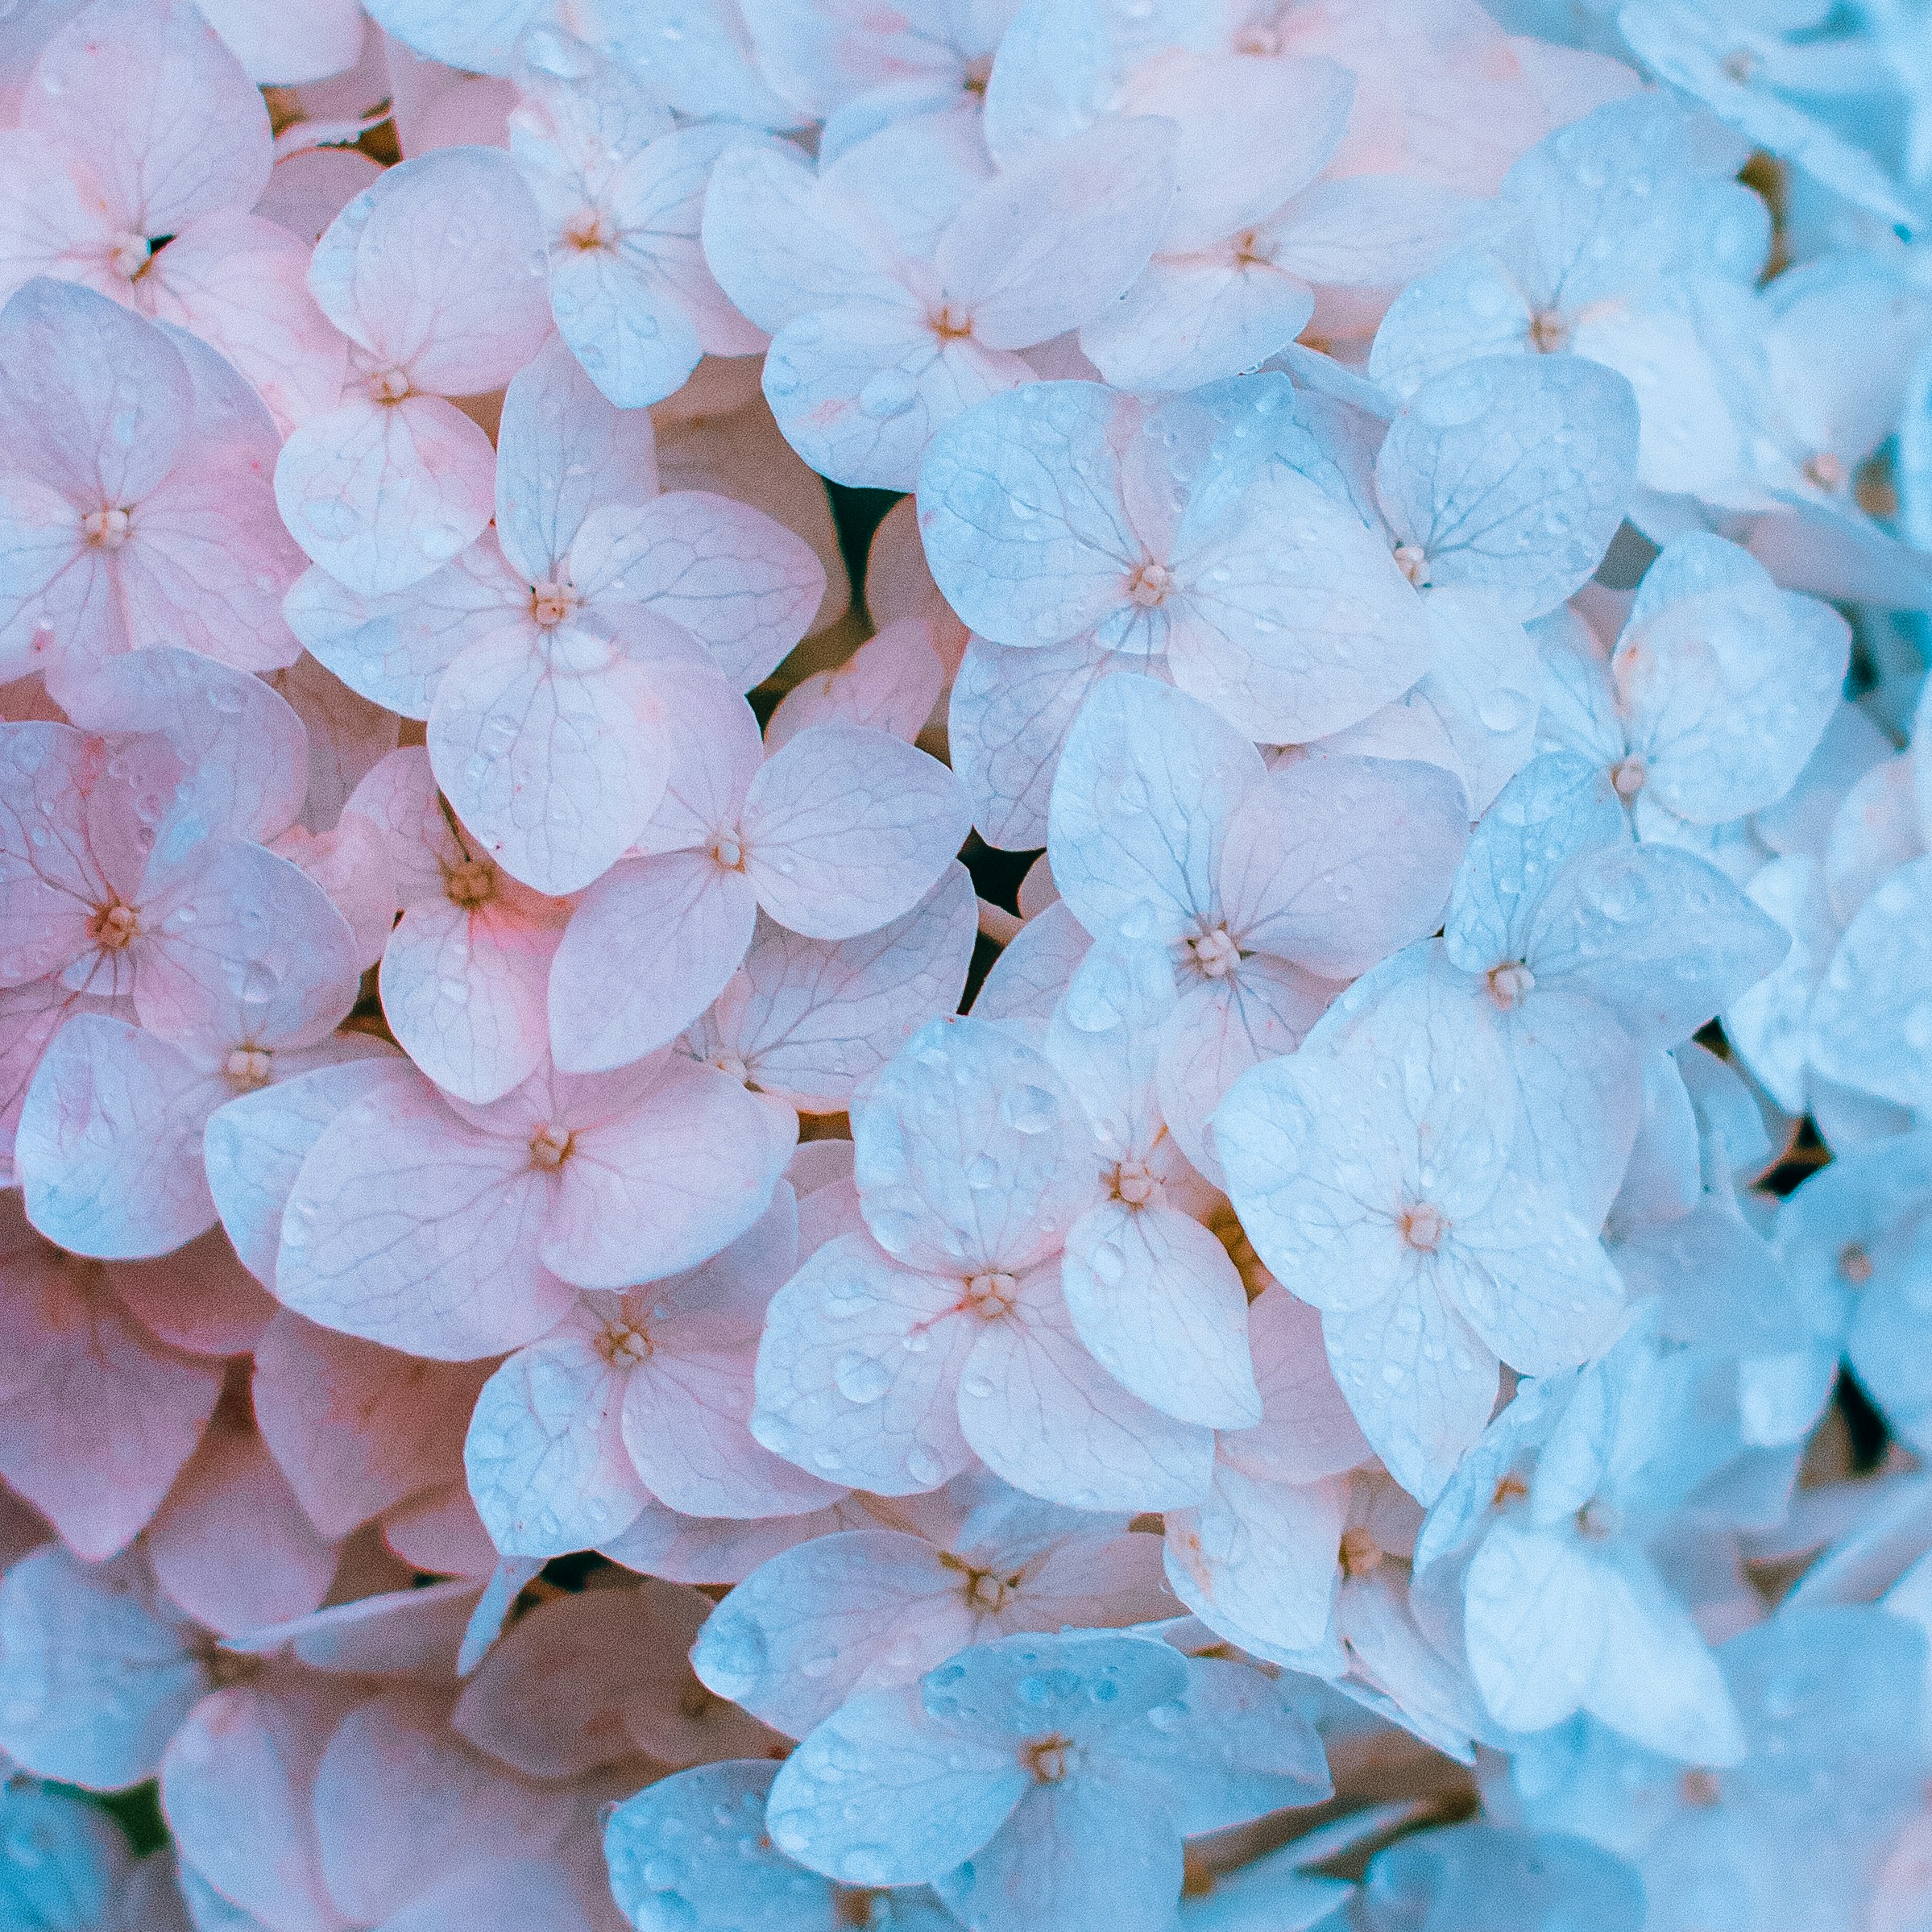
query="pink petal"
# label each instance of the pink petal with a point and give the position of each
(740, 582)
(110, 1143)
(438, 269)
(402, 1805)
(552, 746)
(442, 1533)
(355, 1427)
(682, 920)
(96, 1417)
(236, 1785)
(667, 1183)
(382, 494)
(163, 109)
(231, 1544)
(409, 1227)
(200, 1298)
(846, 827)
(241, 284)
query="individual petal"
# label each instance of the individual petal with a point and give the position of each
(860, 396)
(239, 948)
(687, 1418)
(845, 827)
(407, 1227)
(1220, 1029)
(462, 990)
(1006, 724)
(96, 1417)
(1147, 784)
(245, 749)
(1656, 934)
(935, 1798)
(1076, 1853)
(231, 1544)
(666, 1182)
(1727, 683)
(237, 1781)
(693, 1847)
(96, 1671)
(109, 1150)
(1289, 616)
(438, 268)
(393, 650)
(169, 118)
(891, 682)
(1194, 319)
(842, 1614)
(1306, 1431)
(356, 1429)
(1418, 1379)
(858, 1369)
(812, 1020)
(256, 1144)
(1870, 1027)
(561, 449)
(972, 1155)
(1041, 1413)
(200, 1298)
(682, 919)
(735, 578)
(382, 494)
(545, 1457)
(553, 751)
(1157, 1301)
(75, 366)
(401, 1805)
(1045, 245)
(1512, 473)
(240, 282)
(1309, 869)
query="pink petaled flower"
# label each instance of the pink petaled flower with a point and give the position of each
(142, 146)
(134, 507)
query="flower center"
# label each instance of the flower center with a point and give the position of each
(1627, 776)
(730, 1063)
(389, 385)
(1741, 65)
(105, 528)
(1509, 982)
(949, 324)
(1855, 1264)
(1149, 584)
(1134, 1182)
(1360, 1552)
(1548, 332)
(623, 1346)
(990, 1296)
(1700, 1787)
(978, 71)
(129, 254)
(1423, 1226)
(1215, 953)
(1414, 563)
(114, 926)
(1253, 250)
(728, 850)
(550, 604)
(1049, 1758)
(589, 231)
(549, 1150)
(1827, 471)
(249, 1067)
(470, 884)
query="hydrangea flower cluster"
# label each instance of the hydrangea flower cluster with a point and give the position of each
(965, 966)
